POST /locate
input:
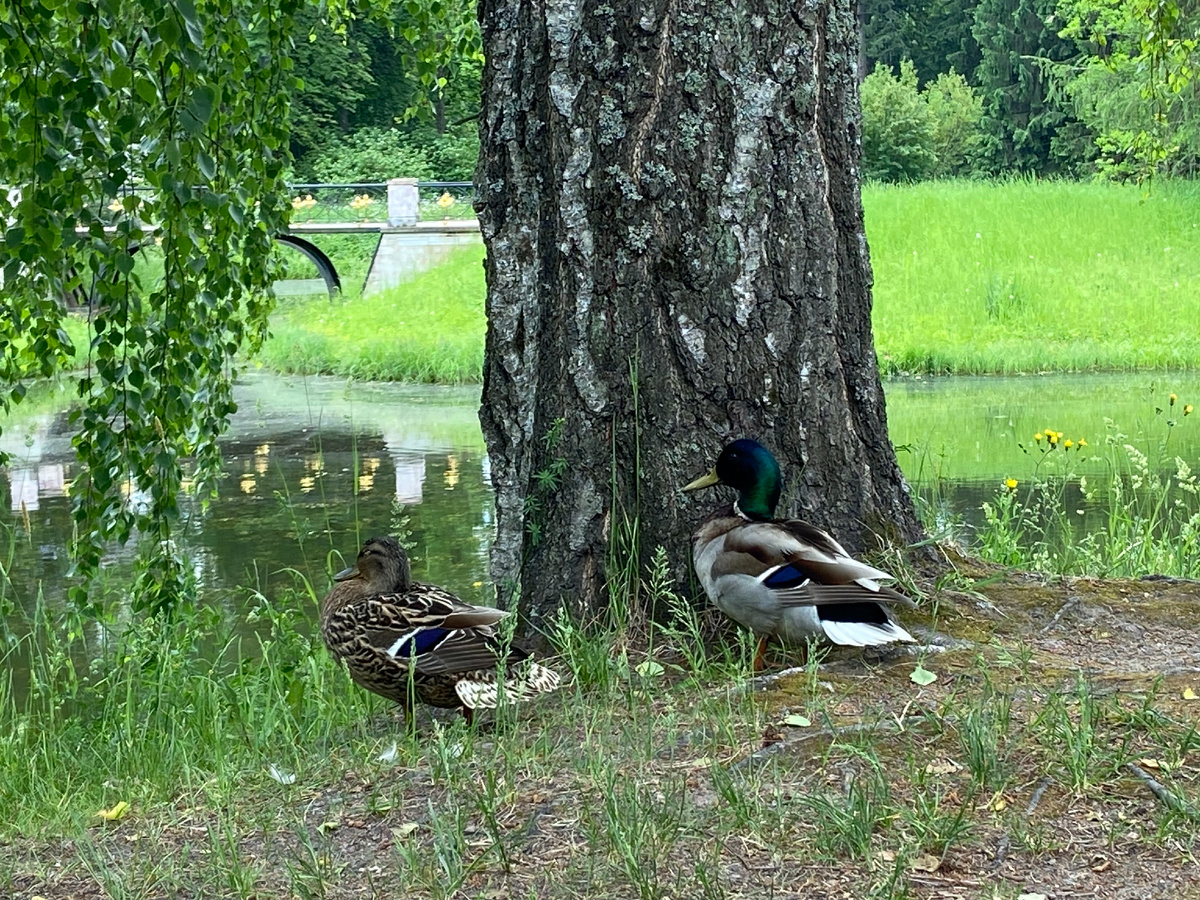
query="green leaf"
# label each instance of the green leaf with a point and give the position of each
(922, 676)
(195, 28)
(146, 90)
(207, 164)
(797, 721)
(200, 109)
(649, 668)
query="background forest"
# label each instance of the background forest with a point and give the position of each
(1071, 88)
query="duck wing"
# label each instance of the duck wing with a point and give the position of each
(793, 551)
(426, 625)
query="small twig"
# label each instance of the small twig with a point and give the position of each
(1037, 796)
(1072, 601)
(904, 713)
(1003, 845)
(1169, 800)
(805, 736)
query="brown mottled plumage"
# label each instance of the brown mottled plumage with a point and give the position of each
(408, 641)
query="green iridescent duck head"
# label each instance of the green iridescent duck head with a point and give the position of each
(750, 468)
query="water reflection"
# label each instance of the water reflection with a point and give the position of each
(312, 468)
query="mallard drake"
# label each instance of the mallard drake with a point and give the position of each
(403, 639)
(785, 578)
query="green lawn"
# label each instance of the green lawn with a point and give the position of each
(1034, 276)
(429, 329)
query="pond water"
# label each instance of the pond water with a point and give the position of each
(315, 466)
(959, 438)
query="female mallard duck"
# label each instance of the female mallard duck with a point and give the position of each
(403, 640)
(784, 577)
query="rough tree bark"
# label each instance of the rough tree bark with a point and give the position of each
(675, 257)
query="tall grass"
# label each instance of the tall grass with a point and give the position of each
(1114, 504)
(1025, 276)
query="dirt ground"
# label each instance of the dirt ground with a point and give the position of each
(1133, 642)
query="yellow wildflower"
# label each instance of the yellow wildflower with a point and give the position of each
(1010, 483)
(1172, 399)
(1068, 444)
(1187, 410)
(1038, 437)
(361, 201)
(1053, 436)
(446, 200)
(1082, 442)
(116, 206)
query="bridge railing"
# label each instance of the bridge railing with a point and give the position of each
(401, 201)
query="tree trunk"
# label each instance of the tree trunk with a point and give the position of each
(675, 258)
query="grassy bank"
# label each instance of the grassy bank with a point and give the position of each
(429, 329)
(133, 765)
(970, 278)
(1034, 277)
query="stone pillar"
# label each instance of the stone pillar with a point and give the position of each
(402, 201)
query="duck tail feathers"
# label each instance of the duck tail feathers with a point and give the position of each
(482, 691)
(864, 634)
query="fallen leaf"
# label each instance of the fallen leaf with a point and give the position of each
(1189, 694)
(942, 767)
(797, 721)
(1032, 897)
(279, 775)
(649, 668)
(998, 804)
(400, 832)
(922, 676)
(389, 754)
(326, 827)
(1101, 863)
(1148, 762)
(926, 862)
(116, 814)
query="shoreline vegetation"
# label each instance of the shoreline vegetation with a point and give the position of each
(971, 278)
